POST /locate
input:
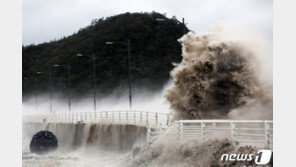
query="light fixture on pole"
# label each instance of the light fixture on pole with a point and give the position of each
(183, 23)
(69, 82)
(94, 76)
(50, 89)
(127, 43)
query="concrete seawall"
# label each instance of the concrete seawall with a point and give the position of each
(94, 135)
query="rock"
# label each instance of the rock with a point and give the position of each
(43, 142)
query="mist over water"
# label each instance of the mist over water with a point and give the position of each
(222, 75)
(142, 99)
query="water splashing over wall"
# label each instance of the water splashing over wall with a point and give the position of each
(220, 77)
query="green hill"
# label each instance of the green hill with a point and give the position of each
(154, 48)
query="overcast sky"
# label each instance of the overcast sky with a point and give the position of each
(45, 20)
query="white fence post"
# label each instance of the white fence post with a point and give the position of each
(134, 117)
(168, 120)
(126, 117)
(232, 130)
(266, 134)
(147, 118)
(119, 115)
(113, 116)
(202, 126)
(180, 132)
(148, 134)
(156, 118)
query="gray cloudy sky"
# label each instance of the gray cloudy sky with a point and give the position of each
(45, 20)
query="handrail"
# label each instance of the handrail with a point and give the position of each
(136, 117)
(242, 132)
(223, 121)
(159, 125)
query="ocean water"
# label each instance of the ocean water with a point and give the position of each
(77, 158)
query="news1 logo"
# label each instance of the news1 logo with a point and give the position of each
(261, 158)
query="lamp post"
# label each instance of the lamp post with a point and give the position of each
(34, 79)
(94, 77)
(184, 25)
(183, 22)
(69, 82)
(127, 43)
(50, 89)
(36, 96)
(25, 85)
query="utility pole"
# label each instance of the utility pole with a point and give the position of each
(36, 98)
(94, 77)
(183, 22)
(69, 82)
(127, 43)
(50, 92)
(69, 86)
(129, 74)
(95, 98)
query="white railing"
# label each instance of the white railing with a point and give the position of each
(258, 133)
(135, 117)
(242, 132)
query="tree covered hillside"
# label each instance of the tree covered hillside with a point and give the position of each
(153, 45)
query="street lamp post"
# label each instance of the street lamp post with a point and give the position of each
(183, 23)
(50, 89)
(50, 94)
(129, 74)
(95, 96)
(127, 43)
(69, 82)
(34, 87)
(25, 84)
(94, 76)
(36, 96)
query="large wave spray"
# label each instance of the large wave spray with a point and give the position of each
(219, 77)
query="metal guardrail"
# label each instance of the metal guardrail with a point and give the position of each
(141, 118)
(242, 132)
